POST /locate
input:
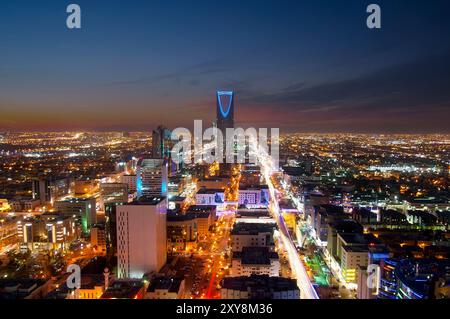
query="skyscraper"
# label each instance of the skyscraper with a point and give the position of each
(141, 237)
(151, 177)
(225, 119)
(161, 142)
(225, 110)
(41, 190)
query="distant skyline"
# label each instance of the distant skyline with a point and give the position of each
(302, 66)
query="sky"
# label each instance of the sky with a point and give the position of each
(301, 66)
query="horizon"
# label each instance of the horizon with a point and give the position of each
(281, 132)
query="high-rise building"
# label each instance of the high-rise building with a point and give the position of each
(82, 208)
(141, 237)
(161, 142)
(48, 190)
(225, 119)
(152, 178)
(111, 228)
(41, 190)
(113, 193)
(225, 110)
(130, 180)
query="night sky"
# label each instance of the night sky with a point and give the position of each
(307, 66)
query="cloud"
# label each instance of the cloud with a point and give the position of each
(218, 65)
(417, 86)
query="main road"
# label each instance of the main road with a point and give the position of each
(268, 168)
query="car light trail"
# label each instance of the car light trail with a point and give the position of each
(303, 282)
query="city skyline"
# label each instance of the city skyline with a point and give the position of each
(132, 67)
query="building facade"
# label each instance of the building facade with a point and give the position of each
(141, 237)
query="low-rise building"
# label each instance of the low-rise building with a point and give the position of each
(46, 232)
(259, 287)
(125, 289)
(255, 260)
(11, 289)
(165, 288)
(252, 235)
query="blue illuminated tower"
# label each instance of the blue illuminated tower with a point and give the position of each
(225, 110)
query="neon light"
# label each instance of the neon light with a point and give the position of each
(228, 93)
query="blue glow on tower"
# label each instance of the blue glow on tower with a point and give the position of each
(220, 94)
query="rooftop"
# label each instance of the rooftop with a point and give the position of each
(255, 283)
(147, 201)
(123, 289)
(210, 191)
(255, 255)
(19, 288)
(252, 228)
(165, 283)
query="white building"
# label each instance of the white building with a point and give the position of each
(363, 290)
(254, 196)
(256, 261)
(249, 196)
(352, 258)
(210, 197)
(259, 287)
(252, 235)
(130, 180)
(152, 178)
(141, 237)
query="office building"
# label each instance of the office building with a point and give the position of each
(82, 208)
(111, 228)
(259, 287)
(255, 260)
(345, 226)
(21, 204)
(353, 257)
(98, 237)
(163, 287)
(152, 178)
(161, 142)
(182, 231)
(130, 180)
(47, 190)
(141, 237)
(388, 282)
(46, 232)
(225, 110)
(113, 193)
(252, 235)
(210, 197)
(85, 187)
(125, 289)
